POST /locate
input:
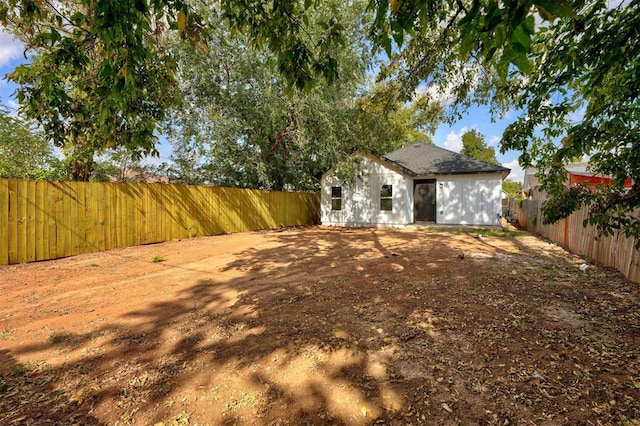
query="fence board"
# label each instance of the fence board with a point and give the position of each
(122, 219)
(58, 217)
(13, 222)
(615, 251)
(23, 229)
(108, 216)
(48, 220)
(30, 222)
(98, 198)
(4, 223)
(91, 218)
(52, 224)
(39, 217)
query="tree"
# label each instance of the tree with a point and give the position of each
(581, 98)
(512, 188)
(120, 165)
(242, 124)
(101, 73)
(473, 145)
(187, 163)
(24, 152)
(488, 29)
(572, 77)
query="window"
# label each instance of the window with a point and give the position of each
(336, 198)
(386, 197)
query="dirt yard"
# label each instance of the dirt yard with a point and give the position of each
(321, 326)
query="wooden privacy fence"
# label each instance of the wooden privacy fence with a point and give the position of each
(615, 251)
(41, 220)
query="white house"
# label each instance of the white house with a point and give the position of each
(418, 183)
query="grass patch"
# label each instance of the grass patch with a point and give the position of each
(58, 339)
(492, 233)
(6, 332)
(24, 369)
(157, 258)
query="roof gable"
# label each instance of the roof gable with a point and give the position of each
(426, 159)
(370, 155)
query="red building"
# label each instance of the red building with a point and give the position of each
(577, 174)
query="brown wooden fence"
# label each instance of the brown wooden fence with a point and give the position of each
(41, 220)
(615, 251)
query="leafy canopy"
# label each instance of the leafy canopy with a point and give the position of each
(474, 146)
(24, 152)
(512, 188)
(241, 123)
(581, 99)
(101, 73)
(119, 165)
(568, 68)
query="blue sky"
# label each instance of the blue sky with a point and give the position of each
(450, 137)
(447, 136)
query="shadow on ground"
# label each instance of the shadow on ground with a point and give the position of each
(351, 327)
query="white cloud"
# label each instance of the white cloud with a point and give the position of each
(444, 93)
(494, 141)
(507, 115)
(10, 48)
(517, 174)
(444, 97)
(453, 141)
(12, 105)
(150, 160)
(576, 117)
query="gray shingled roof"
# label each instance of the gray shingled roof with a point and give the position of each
(425, 159)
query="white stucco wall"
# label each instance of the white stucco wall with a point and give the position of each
(361, 202)
(468, 199)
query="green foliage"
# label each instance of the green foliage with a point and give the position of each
(25, 153)
(571, 76)
(581, 98)
(496, 31)
(473, 145)
(305, 36)
(4, 387)
(100, 75)
(386, 121)
(188, 161)
(241, 124)
(491, 233)
(59, 338)
(565, 202)
(120, 165)
(512, 188)
(24, 369)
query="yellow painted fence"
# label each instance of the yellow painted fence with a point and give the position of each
(615, 251)
(42, 220)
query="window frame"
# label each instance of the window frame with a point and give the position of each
(384, 199)
(336, 198)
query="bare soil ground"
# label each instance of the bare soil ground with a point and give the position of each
(320, 326)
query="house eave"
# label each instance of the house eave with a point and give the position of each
(399, 168)
(503, 174)
(378, 159)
